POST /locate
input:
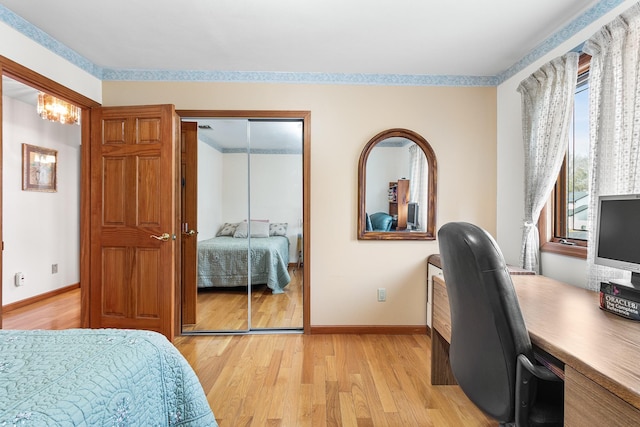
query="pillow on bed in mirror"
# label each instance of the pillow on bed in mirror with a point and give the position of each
(258, 229)
(278, 229)
(228, 229)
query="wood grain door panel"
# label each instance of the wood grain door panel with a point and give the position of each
(113, 207)
(133, 198)
(148, 173)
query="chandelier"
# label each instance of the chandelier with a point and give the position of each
(56, 110)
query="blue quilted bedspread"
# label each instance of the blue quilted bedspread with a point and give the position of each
(223, 262)
(97, 377)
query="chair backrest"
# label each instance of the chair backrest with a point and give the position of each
(487, 328)
(368, 226)
(381, 221)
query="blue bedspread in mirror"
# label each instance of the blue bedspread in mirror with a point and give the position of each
(97, 377)
(223, 262)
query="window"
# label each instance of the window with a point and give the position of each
(563, 223)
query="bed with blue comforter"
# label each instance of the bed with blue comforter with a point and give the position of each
(223, 262)
(97, 377)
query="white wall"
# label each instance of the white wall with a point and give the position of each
(276, 191)
(510, 190)
(210, 186)
(458, 122)
(39, 229)
(235, 190)
(24, 51)
(385, 165)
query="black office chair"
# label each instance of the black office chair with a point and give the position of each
(491, 354)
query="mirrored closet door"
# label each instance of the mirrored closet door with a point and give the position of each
(249, 226)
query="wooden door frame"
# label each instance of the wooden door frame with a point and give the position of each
(305, 117)
(187, 300)
(29, 77)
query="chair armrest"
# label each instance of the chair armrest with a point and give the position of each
(538, 371)
(526, 371)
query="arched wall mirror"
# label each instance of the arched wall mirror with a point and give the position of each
(397, 187)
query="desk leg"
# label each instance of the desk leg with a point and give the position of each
(440, 367)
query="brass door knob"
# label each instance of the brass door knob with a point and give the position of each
(164, 237)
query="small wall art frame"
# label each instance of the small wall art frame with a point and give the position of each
(39, 169)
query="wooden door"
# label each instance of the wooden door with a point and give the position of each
(189, 208)
(134, 190)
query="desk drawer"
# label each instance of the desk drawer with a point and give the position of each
(441, 314)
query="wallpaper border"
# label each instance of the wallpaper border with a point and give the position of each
(106, 74)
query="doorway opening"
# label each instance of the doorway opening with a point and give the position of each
(41, 199)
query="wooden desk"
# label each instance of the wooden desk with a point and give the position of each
(601, 351)
(434, 268)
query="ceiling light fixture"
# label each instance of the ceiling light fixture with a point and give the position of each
(56, 110)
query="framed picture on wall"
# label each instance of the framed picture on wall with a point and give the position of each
(39, 168)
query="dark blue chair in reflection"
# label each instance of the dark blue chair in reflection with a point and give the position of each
(379, 221)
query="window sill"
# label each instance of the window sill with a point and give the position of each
(566, 250)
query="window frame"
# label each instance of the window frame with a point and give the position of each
(551, 217)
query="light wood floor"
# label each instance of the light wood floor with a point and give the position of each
(58, 312)
(226, 308)
(302, 380)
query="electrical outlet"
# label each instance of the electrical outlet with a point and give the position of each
(19, 279)
(382, 294)
(54, 268)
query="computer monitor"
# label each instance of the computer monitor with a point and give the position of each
(618, 234)
(412, 216)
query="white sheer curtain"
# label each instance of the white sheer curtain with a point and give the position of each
(418, 183)
(547, 103)
(614, 115)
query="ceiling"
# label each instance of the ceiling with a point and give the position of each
(389, 37)
(259, 136)
(325, 38)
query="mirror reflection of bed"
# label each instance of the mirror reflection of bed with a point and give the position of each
(249, 225)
